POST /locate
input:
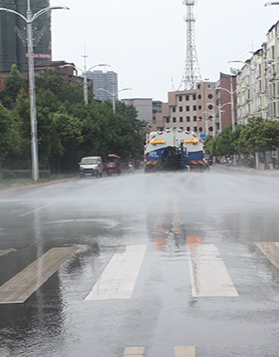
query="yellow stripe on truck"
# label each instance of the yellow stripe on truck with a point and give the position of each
(151, 162)
(197, 162)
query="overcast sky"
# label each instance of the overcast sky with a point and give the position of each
(144, 41)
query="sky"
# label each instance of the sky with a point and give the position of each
(144, 41)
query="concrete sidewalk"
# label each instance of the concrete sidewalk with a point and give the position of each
(271, 172)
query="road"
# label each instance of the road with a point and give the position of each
(159, 265)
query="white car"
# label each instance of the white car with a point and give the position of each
(91, 166)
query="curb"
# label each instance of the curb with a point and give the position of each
(33, 185)
(244, 169)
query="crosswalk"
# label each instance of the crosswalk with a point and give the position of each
(205, 265)
(208, 273)
(119, 277)
(179, 351)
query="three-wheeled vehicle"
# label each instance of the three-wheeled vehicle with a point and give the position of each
(112, 165)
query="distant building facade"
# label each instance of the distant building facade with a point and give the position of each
(188, 110)
(143, 107)
(13, 44)
(105, 84)
(257, 81)
(204, 110)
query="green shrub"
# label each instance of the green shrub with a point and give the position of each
(22, 173)
(8, 174)
(44, 174)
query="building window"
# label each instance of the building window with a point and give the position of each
(195, 118)
(181, 119)
(187, 108)
(181, 127)
(173, 109)
(200, 107)
(188, 128)
(167, 119)
(194, 108)
(180, 109)
(187, 119)
(187, 97)
(210, 96)
(194, 96)
(199, 86)
(210, 106)
(174, 120)
(200, 129)
(195, 129)
(180, 98)
(199, 96)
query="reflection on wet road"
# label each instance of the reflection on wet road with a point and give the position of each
(177, 264)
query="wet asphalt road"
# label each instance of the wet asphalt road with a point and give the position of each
(228, 209)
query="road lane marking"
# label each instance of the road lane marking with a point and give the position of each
(159, 229)
(35, 210)
(4, 252)
(133, 351)
(185, 351)
(270, 250)
(119, 277)
(176, 217)
(209, 275)
(25, 283)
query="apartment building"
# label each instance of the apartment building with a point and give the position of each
(190, 110)
(258, 81)
(13, 43)
(105, 84)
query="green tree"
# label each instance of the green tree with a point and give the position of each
(13, 84)
(8, 135)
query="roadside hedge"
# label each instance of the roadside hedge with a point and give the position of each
(26, 174)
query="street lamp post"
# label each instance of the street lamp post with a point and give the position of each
(114, 94)
(231, 92)
(84, 73)
(219, 111)
(206, 121)
(29, 19)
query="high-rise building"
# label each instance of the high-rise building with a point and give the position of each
(13, 37)
(105, 84)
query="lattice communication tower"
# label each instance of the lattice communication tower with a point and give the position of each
(191, 74)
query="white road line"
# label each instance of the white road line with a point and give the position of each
(209, 275)
(176, 217)
(119, 277)
(25, 283)
(185, 351)
(4, 252)
(35, 210)
(133, 352)
(270, 250)
(159, 229)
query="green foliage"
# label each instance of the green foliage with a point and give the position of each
(8, 133)
(67, 128)
(13, 84)
(258, 135)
